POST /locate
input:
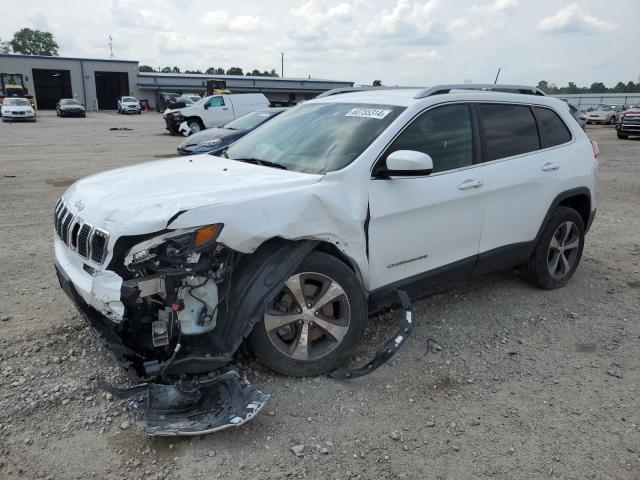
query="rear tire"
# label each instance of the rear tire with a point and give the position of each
(559, 250)
(294, 336)
(622, 136)
(612, 120)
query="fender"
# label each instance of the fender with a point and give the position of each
(558, 200)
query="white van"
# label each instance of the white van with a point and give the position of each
(213, 111)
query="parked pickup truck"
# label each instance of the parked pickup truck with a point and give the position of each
(212, 111)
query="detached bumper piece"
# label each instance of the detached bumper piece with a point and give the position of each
(187, 408)
(390, 347)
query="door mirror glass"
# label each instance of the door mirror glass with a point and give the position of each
(408, 163)
(206, 106)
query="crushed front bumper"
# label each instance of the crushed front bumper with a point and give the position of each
(100, 289)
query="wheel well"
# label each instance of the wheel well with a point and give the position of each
(334, 251)
(197, 119)
(581, 204)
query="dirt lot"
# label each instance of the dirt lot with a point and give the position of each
(528, 383)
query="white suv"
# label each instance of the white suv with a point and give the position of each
(129, 105)
(306, 225)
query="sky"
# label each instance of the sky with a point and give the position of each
(400, 42)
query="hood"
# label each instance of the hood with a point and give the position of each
(143, 198)
(208, 134)
(17, 108)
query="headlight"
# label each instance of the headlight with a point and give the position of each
(176, 114)
(212, 143)
(183, 245)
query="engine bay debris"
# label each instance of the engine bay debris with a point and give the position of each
(192, 408)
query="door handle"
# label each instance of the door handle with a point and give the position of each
(467, 184)
(225, 108)
(550, 166)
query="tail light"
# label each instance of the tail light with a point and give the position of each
(594, 147)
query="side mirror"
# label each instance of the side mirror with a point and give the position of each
(407, 163)
(206, 106)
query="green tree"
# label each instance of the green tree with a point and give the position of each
(377, 83)
(34, 42)
(619, 88)
(273, 73)
(214, 71)
(145, 68)
(5, 47)
(235, 71)
(543, 85)
(598, 87)
(570, 88)
(632, 87)
(192, 71)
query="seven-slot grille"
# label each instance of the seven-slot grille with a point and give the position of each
(88, 241)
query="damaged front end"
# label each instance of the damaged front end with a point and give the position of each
(188, 301)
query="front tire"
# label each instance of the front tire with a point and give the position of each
(622, 136)
(195, 126)
(612, 120)
(316, 320)
(559, 250)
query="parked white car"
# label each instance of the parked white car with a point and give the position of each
(15, 109)
(314, 220)
(212, 111)
(129, 105)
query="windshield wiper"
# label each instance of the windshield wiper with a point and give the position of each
(264, 163)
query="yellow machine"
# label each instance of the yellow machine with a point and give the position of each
(12, 85)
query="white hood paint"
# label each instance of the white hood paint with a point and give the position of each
(255, 203)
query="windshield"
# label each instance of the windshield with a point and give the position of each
(129, 99)
(251, 120)
(606, 108)
(185, 100)
(69, 101)
(316, 138)
(16, 102)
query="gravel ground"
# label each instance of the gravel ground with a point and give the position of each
(527, 384)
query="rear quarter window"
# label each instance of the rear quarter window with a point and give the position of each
(553, 130)
(508, 130)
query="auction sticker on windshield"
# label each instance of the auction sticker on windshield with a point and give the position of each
(378, 113)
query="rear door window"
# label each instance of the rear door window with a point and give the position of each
(508, 130)
(553, 130)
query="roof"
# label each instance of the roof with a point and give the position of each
(47, 57)
(203, 76)
(409, 96)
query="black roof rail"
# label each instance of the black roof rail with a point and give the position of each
(441, 89)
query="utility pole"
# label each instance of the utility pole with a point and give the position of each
(111, 45)
(281, 64)
(497, 75)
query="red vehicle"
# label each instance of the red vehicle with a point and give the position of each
(629, 123)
